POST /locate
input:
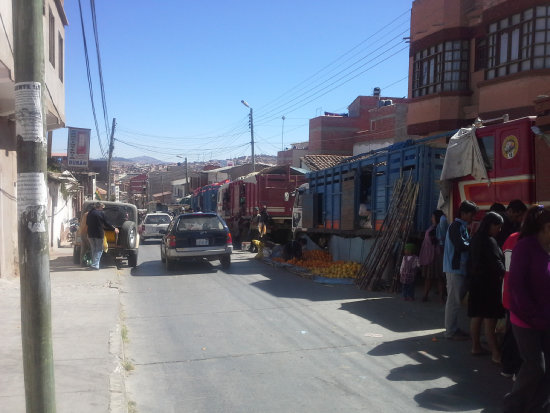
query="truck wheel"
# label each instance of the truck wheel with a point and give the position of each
(76, 255)
(128, 235)
(132, 259)
(162, 257)
(225, 261)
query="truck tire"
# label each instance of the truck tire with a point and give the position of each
(132, 258)
(128, 235)
(76, 255)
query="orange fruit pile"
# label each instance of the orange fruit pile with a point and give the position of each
(320, 262)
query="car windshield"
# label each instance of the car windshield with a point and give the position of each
(157, 219)
(197, 223)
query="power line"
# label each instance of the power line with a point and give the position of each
(384, 32)
(317, 94)
(90, 83)
(100, 70)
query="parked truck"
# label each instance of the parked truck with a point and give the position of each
(352, 198)
(273, 188)
(517, 162)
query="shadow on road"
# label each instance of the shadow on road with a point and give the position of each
(156, 268)
(390, 312)
(478, 384)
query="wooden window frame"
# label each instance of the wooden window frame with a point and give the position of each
(444, 67)
(533, 27)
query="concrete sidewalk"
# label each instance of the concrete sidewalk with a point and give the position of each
(87, 343)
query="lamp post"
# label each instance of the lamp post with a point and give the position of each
(251, 135)
(283, 134)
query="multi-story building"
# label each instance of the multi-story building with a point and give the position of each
(476, 58)
(54, 20)
(371, 121)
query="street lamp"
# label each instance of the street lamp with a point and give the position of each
(283, 134)
(251, 134)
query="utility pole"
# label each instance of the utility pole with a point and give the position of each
(187, 177)
(162, 186)
(111, 148)
(251, 123)
(32, 201)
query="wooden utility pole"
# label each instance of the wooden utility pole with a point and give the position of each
(32, 201)
(187, 177)
(111, 148)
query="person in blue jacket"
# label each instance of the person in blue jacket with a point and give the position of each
(455, 257)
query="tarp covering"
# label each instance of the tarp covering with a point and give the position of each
(464, 157)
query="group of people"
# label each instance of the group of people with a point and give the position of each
(504, 267)
(256, 231)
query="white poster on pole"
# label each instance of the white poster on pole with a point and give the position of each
(28, 112)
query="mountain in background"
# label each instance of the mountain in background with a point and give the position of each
(139, 159)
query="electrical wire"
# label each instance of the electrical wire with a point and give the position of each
(100, 70)
(90, 83)
(313, 94)
(332, 63)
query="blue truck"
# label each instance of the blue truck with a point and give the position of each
(352, 198)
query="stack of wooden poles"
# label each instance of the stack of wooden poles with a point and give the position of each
(392, 236)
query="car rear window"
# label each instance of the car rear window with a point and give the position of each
(116, 215)
(157, 219)
(194, 223)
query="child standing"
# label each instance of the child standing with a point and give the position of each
(407, 272)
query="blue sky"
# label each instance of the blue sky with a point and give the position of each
(175, 71)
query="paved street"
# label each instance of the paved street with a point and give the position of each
(256, 338)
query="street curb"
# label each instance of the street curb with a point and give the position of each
(117, 388)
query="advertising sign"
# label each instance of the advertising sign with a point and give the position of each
(78, 148)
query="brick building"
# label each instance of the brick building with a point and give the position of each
(336, 134)
(473, 58)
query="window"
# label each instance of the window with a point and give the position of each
(441, 68)
(519, 42)
(51, 39)
(60, 53)
(487, 147)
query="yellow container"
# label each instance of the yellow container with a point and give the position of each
(111, 236)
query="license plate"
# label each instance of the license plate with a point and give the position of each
(202, 241)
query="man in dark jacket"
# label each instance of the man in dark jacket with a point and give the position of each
(96, 223)
(455, 256)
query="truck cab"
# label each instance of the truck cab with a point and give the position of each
(514, 159)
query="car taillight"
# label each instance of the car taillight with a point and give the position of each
(172, 241)
(229, 238)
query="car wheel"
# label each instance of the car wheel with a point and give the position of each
(162, 257)
(76, 255)
(225, 261)
(128, 235)
(132, 258)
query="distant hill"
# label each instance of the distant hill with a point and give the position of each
(139, 159)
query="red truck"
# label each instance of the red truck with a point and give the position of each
(518, 167)
(273, 187)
